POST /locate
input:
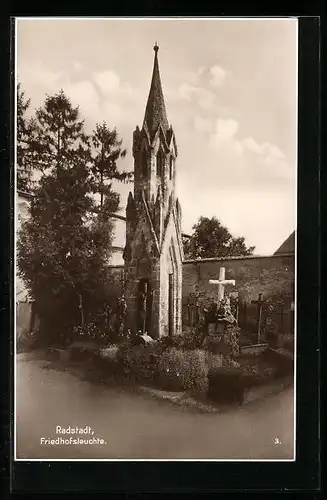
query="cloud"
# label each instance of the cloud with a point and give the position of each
(194, 77)
(226, 128)
(77, 66)
(249, 186)
(195, 86)
(244, 162)
(116, 92)
(36, 74)
(202, 125)
(112, 112)
(203, 97)
(84, 94)
(225, 146)
(131, 93)
(218, 75)
(264, 149)
(261, 216)
(269, 159)
(108, 81)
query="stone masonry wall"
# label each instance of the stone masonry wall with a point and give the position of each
(170, 262)
(273, 274)
(269, 275)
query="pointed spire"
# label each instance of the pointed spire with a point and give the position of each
(155, 112)
(130, 208)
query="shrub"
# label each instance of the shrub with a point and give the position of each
(213, 360)
(105, 361)
(26, 342)
(91, 331)
(169, 367)
(138, 362)
(229, 362)
(169, 342)
(232, 336)
(256, 369)
(183, 369)
(191, 338)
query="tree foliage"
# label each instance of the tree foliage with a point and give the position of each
(64, 247)
(211, 239)
(60, 134)
(24, 137)
(107, 150)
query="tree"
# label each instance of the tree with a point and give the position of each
(107, 151)
(59, 134)
(211, 239)
(25, 136)
(63, 249)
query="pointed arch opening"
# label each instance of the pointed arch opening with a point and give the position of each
(160, 162)
(144, 162)
(171, 168)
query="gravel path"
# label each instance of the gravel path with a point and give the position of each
(139, 426)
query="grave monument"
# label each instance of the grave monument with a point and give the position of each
(154, 252)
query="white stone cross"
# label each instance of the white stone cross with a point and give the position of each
(221, 283)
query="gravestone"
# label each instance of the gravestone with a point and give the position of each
(259, 303)
(221, 282)
(142, 339)
(196, 295)
(146, 339)
(224, 315)
(220, 316)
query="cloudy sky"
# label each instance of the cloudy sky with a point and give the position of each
(231, 96)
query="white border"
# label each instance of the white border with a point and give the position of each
(158, 18)
(140, 18)
(296, 229)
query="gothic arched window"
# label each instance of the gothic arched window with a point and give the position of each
(171, 168)
(160, 162)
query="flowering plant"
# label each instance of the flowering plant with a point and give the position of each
(89, 330)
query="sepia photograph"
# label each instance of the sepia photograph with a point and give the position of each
(155, 239)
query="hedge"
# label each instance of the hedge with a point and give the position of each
(170, 368)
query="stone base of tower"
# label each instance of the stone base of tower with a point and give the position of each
(142, 298)
(159, 313)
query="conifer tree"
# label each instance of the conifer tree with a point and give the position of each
(60, 134)
(25, 136)
(64, 247)
(107, 151)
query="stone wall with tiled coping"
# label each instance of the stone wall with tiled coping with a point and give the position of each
(253, 274)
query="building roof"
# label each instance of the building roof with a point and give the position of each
(155, 111)
(288, 246)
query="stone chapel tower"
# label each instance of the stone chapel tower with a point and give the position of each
(153, 254)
